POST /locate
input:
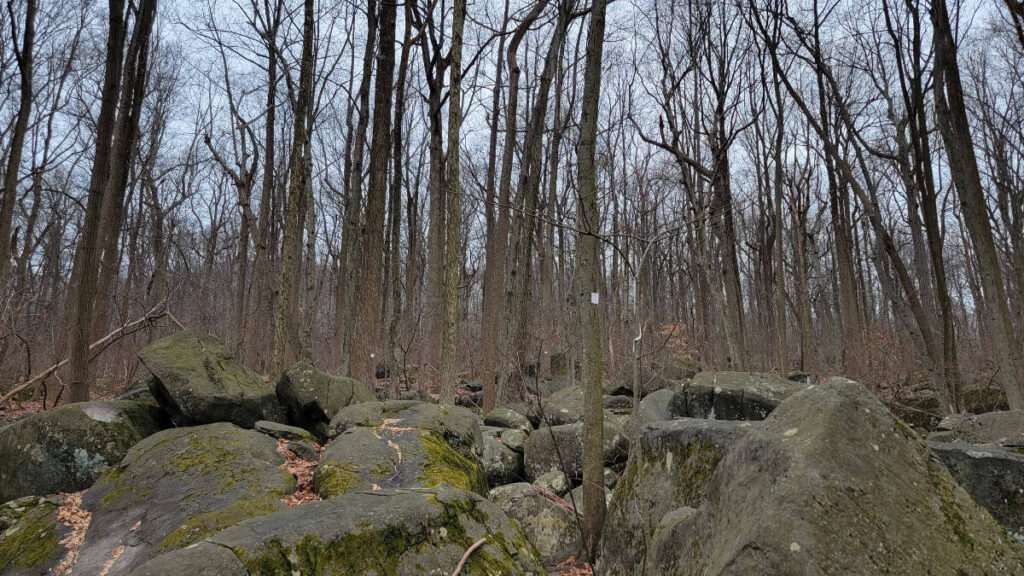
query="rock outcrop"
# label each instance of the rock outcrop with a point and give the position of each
(733, 395)
(552, 529)
(829, 483)
(312, 397)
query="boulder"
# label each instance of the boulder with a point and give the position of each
(514, 439)
(30, 536)
(563, 407)
(553, 481)
(529, 410)
(622, 405)
(830, 483)
(311, 397)
(502, 417)
(999, 428)
(551, 448)
(177, 487)
(283, 431)
(655, 407)
(670, 467)
(994, 476)
(502, 464)
(402, 445)
(65, 449)
(575, 498)
(547, 385)
(551, 528)
(733, 395)
(197, 381)
(384, 533)
(654, 375)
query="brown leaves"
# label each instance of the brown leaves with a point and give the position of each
(72, 515)
(573, 567)
(303, 472)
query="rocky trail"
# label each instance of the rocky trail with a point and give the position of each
(207, 469)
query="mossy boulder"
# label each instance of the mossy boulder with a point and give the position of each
(552, 529)
(312, 397)
(459, 426)
(560, 448)
(402, 445)
(385, 533)
(733, 395)
(670, 467)
(30, 536)
(992, 475)
(66, 448)
(177, 487)
(830, 483)
(196, 381)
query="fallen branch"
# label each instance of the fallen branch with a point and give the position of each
(554, 498)
(154, 313)
(468, 553)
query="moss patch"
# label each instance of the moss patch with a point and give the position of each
(32, 540)
(335, 479)
(202, 525)
(444, 466)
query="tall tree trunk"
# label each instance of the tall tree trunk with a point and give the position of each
(453, 220)
(951, 111)
(363, 362)
(9, 194)
(590, 285)
(298, 173)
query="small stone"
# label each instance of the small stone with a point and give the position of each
(303, 450)
(514, 439)
(282, 431)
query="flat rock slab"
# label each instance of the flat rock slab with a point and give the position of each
(1004, 428)
(66, 448)
(399, 533)
(733, 395)
(177, 487)
(197, 381)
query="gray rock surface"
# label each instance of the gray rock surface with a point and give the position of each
(30, 536)
(401, 533)
(992, 475)
(197, 381)
(561, 448)
(177, 487)
(551, 528)
(65, 449)
(502, 464)
(1004, 428)
(733, 395)
(312, 397)
(502, 417)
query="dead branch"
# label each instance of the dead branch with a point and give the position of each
(156, 312)
(466, 556)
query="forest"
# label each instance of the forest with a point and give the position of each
(464, 201)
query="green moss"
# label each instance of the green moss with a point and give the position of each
(335, 479)
(696, 462)
(446, 467)
(32, 540)
(121, 487)
(202, 525)
(948, 505)
(215, 456)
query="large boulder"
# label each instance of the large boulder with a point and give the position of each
(655, 374)
(312, 397)
(384, 533)
(655, 407)
(502, 417)
(552, 529)
(66, 448)
(830, 483)
(402, 445)
(560, 448)
(502, 464)
(999, 428)
(563, 407)
(733, 395)
(994, 476)
(198, 382)
(669, 468)
(177, 487)
(30, 536)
